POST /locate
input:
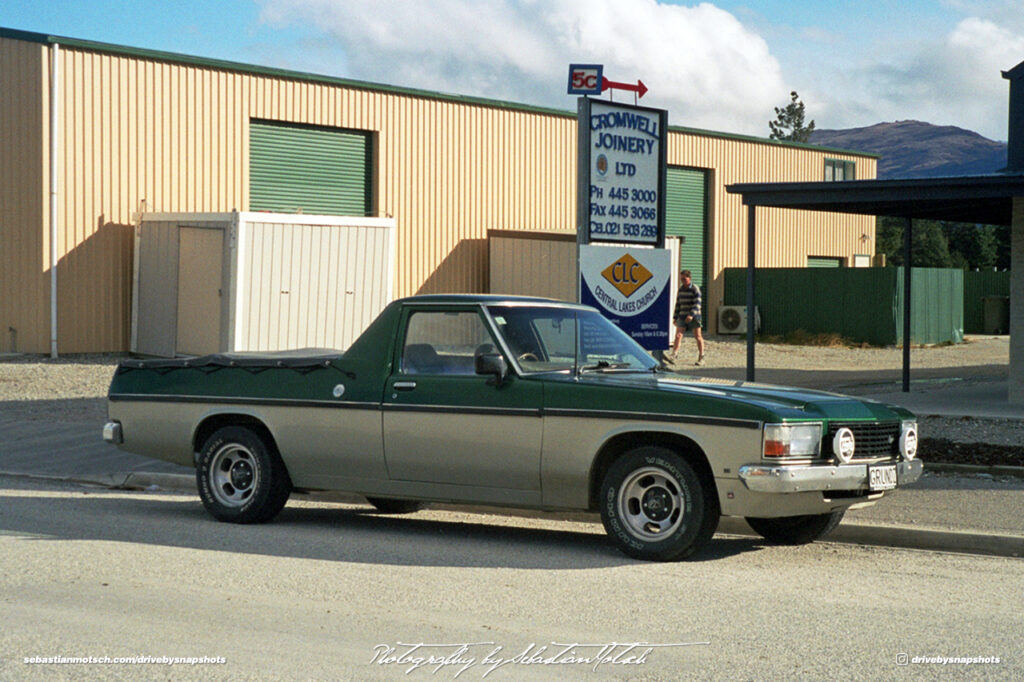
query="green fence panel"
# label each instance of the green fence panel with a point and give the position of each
(856, 303)
(978, 285)
(864, 305)
(937, 313)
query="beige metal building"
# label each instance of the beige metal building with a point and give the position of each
(93, 134)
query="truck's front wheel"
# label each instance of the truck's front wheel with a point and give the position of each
(655, 507)
(796, 530)
(240, 477)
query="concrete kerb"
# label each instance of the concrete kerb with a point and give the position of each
(120, 481)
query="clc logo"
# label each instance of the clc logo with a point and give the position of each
(627, 275)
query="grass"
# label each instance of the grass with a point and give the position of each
(800, 337)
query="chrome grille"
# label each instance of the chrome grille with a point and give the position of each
(872, 439)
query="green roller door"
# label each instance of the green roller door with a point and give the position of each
(308, 169)
(824, 262)
(686, 217)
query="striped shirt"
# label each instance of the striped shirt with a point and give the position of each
(687, 302)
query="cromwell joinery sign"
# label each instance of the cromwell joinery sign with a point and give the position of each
(625, 150)
(621, 203)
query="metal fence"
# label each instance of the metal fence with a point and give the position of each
(864, 305)
(986, 292)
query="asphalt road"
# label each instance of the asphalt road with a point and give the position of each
(327, 590)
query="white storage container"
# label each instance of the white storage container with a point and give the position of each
(222, 282)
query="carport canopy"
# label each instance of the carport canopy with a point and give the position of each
(983, 199)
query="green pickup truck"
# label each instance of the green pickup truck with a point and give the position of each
(518, 402)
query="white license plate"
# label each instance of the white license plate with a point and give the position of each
(882, 477)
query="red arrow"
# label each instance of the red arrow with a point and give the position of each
(640, 89)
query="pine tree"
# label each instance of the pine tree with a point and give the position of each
(789, 122)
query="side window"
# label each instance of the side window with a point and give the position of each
(444, 342)
(837, 170)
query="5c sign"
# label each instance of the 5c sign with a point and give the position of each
(585, 79)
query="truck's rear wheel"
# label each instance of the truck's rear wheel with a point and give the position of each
(241, 477)
(655, 507)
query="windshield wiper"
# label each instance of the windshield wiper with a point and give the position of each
(603, 365)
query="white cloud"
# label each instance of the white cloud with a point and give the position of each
(700, 63)
(952, 80)
(709, 69)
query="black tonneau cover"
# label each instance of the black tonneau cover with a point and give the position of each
(300, 359)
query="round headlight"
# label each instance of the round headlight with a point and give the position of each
(842, 445)
(908, 443)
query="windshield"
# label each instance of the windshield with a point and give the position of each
(551, 339)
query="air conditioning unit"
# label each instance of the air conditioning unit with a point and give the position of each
(732, 319)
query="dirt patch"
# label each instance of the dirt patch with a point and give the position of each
(985, 454)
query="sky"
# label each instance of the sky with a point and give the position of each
(722, 65)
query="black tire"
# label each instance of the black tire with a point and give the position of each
(796, 530)
(388, 506)
(240, 477)
(655, 507)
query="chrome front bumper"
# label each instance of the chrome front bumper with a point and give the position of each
(773, 478)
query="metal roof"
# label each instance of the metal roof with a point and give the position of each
(986, 199)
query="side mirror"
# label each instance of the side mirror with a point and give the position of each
(492, 363)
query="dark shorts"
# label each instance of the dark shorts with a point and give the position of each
(688, 326)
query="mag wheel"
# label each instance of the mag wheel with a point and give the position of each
(655, 507)
(240, 477)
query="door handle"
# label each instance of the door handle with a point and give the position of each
(404, 385)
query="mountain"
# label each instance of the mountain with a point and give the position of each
(913, 149)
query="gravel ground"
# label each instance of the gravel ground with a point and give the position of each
(72, 388)
(34, 377)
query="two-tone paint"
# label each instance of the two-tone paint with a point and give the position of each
(356, 422)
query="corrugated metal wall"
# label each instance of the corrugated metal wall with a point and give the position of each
(24, 235)
(143, 134)
(136, 135)
(860, 304)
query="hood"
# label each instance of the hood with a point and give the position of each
(785, 401)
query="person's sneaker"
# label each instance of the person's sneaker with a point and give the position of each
(700, 361)
(669, 356)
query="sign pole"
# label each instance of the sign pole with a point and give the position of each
(582, 184)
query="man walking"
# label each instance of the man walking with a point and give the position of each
(687, 315)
